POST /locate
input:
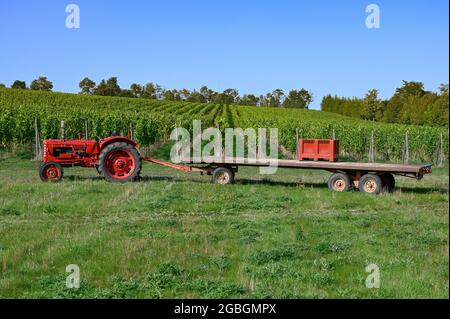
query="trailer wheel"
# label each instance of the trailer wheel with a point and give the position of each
(119, 162)
(370, 184)
(388, 181)
(339, 182)
(50, 172)
(222, 175)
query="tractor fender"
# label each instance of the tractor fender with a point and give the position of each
(112, 139)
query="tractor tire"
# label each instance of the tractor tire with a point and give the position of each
(388, 181)
(119, 162)
(371, 184)
(339, 182)
(222, 176)
(51, 172)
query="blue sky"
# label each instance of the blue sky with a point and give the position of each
(252, 45)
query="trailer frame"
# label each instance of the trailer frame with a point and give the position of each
(376, 177)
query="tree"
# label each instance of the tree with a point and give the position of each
(109, 87)
(196, 97)
(2, 86)
(233, 94)
(126, 93)
(41, 84)
(249, 99)
(171, 95)
(184, 94)
(227, 97)
(149, 91)
(101, 88)
(373, 106)
(275, 99)
(113, 87)
(207, 93)
(398, 103)
(19, 85)
(437, 113)
(87, 86)
(159, 92)
(298, 99)
(136, 90)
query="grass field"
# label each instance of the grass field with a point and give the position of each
(176, 235)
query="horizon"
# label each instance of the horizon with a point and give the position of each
(323, 47)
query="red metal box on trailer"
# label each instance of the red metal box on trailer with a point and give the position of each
(316, 149)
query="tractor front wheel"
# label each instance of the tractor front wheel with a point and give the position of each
(119, 162)
(51, 172)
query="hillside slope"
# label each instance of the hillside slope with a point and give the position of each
(153, 120)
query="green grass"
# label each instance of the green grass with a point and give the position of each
(177, 235)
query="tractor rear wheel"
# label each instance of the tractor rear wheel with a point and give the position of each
(119, 162)
(51, 172)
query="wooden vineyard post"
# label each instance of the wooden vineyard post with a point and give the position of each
(86, 130)
(372, 148)
(441, 151)
(406, 150)
(296, 143)
(178, 150)
(334, 135)
(37, 142)
(131, 132)
(63, 131)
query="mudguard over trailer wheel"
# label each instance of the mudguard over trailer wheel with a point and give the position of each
(371, 184)
(119, 162)
(339, 182)
(222, 175)
(50, 172)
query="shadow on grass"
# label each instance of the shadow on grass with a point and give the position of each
(246, 181)
(421, 190)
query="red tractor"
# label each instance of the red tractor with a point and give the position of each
(116, 158)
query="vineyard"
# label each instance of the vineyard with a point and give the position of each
(152, 121)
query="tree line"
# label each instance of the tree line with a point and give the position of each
(39, 84)
(110, 87)
(410, 104)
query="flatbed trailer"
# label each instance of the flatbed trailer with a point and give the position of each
(118, 160)
(367, 177)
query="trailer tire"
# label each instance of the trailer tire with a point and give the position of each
(388, 181)
(339, 182)
(223, 176)
(371, 184)
(119, 162)
(51, 172)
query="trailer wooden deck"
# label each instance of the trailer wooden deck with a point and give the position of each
(401, 169)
